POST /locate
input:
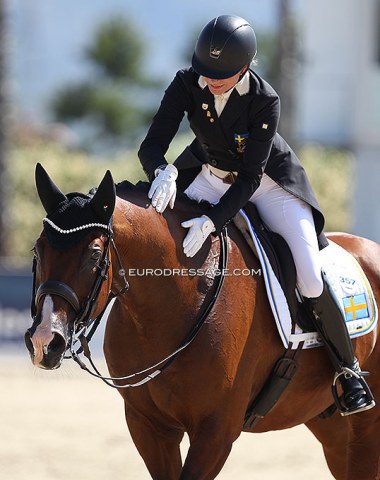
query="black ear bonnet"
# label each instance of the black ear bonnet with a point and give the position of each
(71, 217)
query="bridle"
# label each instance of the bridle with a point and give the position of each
(61, 289)
(83, 327)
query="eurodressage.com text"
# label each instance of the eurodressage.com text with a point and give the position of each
(192, 272)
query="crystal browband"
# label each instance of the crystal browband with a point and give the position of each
(76, 229)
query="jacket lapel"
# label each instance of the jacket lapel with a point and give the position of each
(233, 109)
(208, 116)
(218, 128)
(208, 105)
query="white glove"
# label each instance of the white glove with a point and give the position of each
(200, 229)
(164, 189)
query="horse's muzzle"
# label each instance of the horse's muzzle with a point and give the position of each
(48, 356)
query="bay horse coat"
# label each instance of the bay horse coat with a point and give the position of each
(206, 390)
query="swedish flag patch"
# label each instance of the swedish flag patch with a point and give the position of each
(355, 307)
(241, 140)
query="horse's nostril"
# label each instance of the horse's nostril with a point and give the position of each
(58, 344)
(28, 342)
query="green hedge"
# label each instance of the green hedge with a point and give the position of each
(330, 172)
(71, 171)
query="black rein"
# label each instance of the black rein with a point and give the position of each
(83, 322)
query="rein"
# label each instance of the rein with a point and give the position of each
(83, 322)
(167, 361)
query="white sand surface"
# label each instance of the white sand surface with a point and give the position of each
(64, 424)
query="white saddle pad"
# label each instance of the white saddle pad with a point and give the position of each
(347, 279)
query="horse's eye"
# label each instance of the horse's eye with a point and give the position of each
(35, 253)
(96, 254)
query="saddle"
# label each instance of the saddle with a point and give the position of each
(281, 260)
(342, 279)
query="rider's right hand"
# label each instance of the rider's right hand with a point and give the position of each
(164, 189)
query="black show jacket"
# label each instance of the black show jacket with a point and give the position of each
(243, 139)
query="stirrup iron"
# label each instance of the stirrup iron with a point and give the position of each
(349, 373)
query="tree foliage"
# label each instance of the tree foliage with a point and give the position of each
(330, 172)
(72, 171)
(109, 104)
(4, 111)
(117, 50)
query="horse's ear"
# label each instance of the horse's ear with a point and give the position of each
(50, 195)
(103, 202)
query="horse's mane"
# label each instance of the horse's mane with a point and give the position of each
(127, 190)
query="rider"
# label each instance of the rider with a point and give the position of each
(237, 156)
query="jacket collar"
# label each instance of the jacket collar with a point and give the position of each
(238, 101)
(242, 87)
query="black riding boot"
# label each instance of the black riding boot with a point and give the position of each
(330, 323)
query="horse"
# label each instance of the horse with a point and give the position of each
(207, 387)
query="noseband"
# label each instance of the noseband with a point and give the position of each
(60, 289)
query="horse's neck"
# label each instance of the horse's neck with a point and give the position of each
(143, 238)
(159, 298)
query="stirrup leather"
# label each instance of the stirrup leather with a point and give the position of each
(348, 372)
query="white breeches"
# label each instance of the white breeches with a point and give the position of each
(283, 213)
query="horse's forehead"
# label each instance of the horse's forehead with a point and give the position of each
(68, 257)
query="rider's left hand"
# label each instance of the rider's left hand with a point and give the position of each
(200, 229)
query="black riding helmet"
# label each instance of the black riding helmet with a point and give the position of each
(224, 46)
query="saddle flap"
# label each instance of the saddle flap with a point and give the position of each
(277, 252)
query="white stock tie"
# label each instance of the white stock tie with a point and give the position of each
(220, 101)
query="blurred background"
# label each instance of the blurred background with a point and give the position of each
(80, 82)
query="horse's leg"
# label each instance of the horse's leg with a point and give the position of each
(351, 444)
(332, 432)
(363, 455)
(159, 447)
(210, 446)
